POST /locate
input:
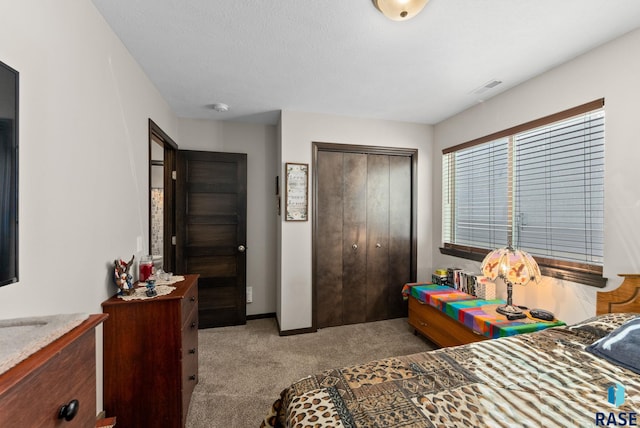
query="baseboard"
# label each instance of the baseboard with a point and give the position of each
(296, 331)
(261, 316)
(280, 331)
(106, 423)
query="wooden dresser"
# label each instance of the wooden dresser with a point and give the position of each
(62, 373)
(438, 327)
(151, 357)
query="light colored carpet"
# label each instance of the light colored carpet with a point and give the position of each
(243, 368)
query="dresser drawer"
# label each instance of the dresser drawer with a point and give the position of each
(189, 379)
(69, 374)
(189, 358)
(190, 338)
(439, 327)
(189, 301)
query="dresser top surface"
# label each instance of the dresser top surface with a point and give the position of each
(182, 288)
(35, 361)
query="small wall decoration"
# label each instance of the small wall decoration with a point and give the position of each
(297, 191)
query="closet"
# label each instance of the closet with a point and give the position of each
(364, 243)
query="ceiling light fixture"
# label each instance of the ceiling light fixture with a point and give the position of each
(400, 10)
(220, 107)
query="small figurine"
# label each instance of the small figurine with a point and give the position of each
(122, 277)
(151, 287)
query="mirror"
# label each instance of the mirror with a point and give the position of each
(8, 175)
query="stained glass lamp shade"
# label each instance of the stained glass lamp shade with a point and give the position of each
(513, 267)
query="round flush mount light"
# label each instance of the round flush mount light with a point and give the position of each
(400, 10)
(220, 107)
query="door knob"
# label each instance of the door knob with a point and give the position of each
(378, 245)
(241, 248)
(354, 246)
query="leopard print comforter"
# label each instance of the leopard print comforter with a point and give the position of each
(543, 379)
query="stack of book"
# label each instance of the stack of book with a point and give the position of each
(468, 282)
(439, 276)
(485, 288)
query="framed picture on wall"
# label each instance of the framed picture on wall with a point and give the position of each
(296, 191)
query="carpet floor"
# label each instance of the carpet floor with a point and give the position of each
(243, 369)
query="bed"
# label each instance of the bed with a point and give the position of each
(569, 376)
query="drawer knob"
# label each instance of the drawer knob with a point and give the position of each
(192, 350)
(192, 377)
(69, 411)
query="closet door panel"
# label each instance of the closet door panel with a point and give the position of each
(377, 237)
(354, 278)
(329, 266)
(400, 242)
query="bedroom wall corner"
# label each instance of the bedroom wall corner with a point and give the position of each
(608, 71)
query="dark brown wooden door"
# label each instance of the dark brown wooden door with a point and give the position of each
(211, 240)
(377, 210)
(341, 262)
(364, 244)
(354, 218)
(402, 239)
(329, 267)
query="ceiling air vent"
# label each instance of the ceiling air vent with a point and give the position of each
(489, 85)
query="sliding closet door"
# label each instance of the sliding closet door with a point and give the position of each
(364, 243)
(400, 236)
(329, 243)
(377, 278)
(354, 217)
(341, 247)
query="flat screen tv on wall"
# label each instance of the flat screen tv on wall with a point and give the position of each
(8, 175)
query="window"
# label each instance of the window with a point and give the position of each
(538, 186)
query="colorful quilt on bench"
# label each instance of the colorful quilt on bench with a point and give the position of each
(477, 314)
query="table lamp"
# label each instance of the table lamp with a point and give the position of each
(513, 267)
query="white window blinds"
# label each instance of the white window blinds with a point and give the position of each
(477, 199)
(538, 187)
(559, 190)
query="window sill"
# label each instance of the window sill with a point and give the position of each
(564, 273)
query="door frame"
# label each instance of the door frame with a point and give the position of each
(169, 205)
(354, 148)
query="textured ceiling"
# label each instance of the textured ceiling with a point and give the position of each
(344, 57)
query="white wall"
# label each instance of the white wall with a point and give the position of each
(84, 106)
(610, 71)
(259, 143)
(298, 131)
